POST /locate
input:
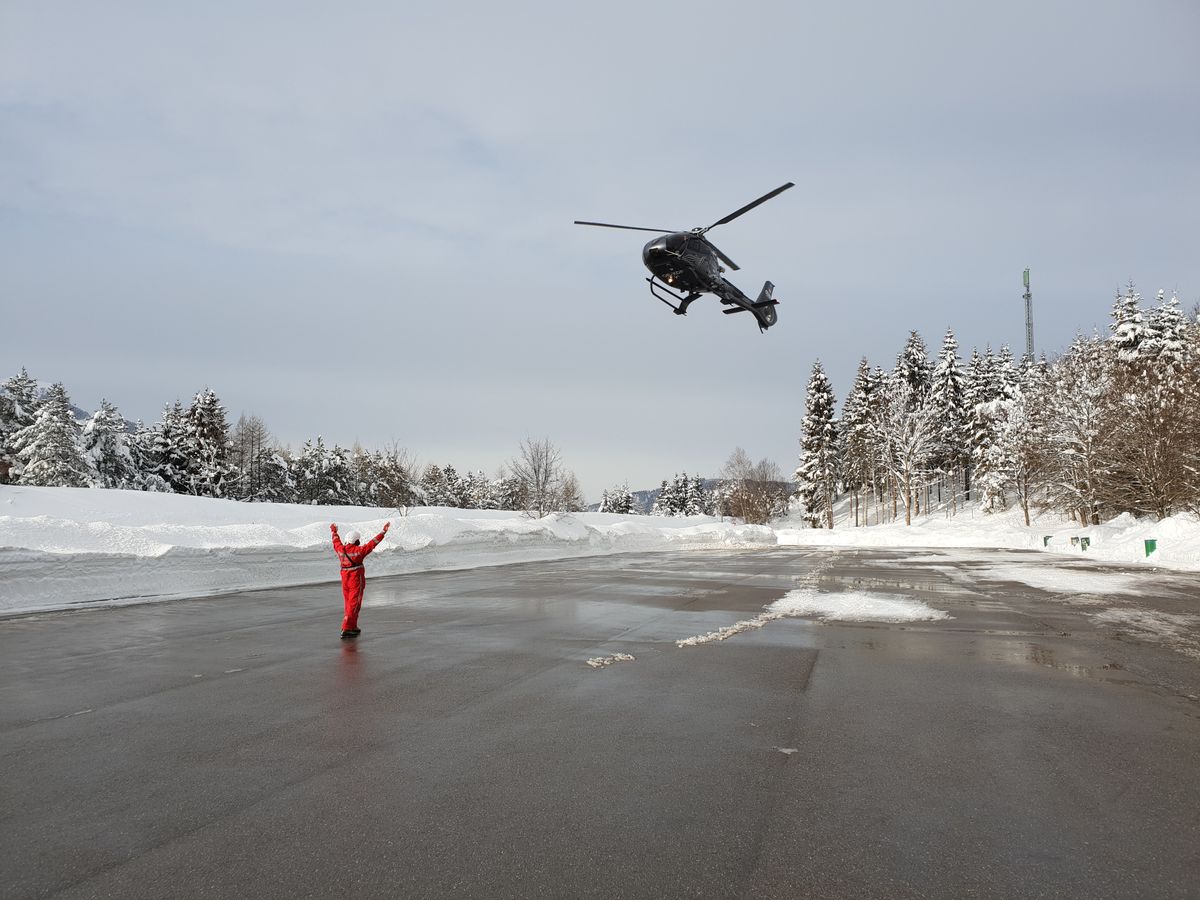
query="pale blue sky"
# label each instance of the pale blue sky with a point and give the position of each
(355, 219)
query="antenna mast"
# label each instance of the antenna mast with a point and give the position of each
(1028, 319)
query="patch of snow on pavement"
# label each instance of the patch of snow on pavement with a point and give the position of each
(855, 606)
(598, 662)
(1066, 580)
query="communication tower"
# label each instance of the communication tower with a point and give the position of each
(1028, 319)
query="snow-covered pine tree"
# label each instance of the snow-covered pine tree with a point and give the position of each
(106, 447)
(1006, 373)
(1166, 340)
(906, 429)
(18, 406)
(433, 483)
(817, 473)
(1151, 423)
(1128, 326)
(321, 477)
(1017, 457)
(210, 469)
(455, 490)
(509, 491)
(617, 500)
(858, 453)
(48, 450)
(276, 477)
(912, 367)
(1079, 436)
(169, 459)
(364, 477)
(947, 396)
(664, 503)
(477, 491)
(700, 501)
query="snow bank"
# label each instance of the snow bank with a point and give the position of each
(65, 547)
(855, 606)
(1119, 540)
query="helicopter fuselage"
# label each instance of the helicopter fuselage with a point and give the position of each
(685, 261)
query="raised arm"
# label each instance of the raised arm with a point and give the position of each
(374, 542)
(337, 541)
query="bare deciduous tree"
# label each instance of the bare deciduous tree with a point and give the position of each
(752, 492)
(539, 471)
(250, 438)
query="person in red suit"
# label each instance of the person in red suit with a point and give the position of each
(354, 577)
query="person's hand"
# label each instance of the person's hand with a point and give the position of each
(333, 527)
(386, 526)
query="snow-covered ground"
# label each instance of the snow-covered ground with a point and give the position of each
(65, 547)
(1122, 539)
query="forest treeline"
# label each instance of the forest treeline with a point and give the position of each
(194, 450)
(1111, 426)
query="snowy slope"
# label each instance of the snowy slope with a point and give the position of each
(1120, 540)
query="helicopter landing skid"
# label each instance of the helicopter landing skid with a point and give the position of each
(682, 300)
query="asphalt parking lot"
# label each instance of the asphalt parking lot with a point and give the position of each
(463, 747)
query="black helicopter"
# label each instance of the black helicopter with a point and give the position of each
(686, 261)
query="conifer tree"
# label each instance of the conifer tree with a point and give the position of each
(479, 491)
(1080, 437)
(912, 367)
(107, 449)
(18, 406)
(210, 471)
(509, 491)
(617, 500)
(947, 396)
(454, 489)
(48, 450)
(169, 458)
(859, 452)
(664, 503)
(1128, 326)
(818, 471)
(276, 477)
(322, 475)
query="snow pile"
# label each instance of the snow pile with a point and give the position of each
(855, 606)
(1120, 540)
(850, 606)
(63, 547)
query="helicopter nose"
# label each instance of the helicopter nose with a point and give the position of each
(654, 248)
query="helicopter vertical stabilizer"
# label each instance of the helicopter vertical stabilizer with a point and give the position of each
(764, 295)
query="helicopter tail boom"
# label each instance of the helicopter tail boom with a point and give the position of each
(763, 308)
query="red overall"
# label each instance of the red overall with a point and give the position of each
(354, 577)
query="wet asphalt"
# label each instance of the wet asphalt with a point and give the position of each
(234, 747)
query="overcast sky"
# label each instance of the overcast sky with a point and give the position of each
(354, 219)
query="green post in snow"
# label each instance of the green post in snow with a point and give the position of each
(1151, 545)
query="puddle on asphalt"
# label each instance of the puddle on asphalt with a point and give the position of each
(1044, 656)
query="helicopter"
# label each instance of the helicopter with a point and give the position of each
(686, 264)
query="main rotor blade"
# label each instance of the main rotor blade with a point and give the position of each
(749, 206)
(627, 227)
(725, 259)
